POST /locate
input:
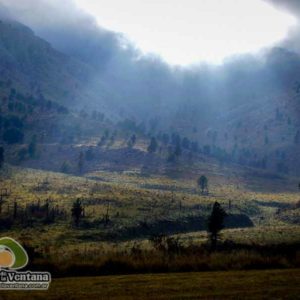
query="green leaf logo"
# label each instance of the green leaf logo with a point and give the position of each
(12, 254)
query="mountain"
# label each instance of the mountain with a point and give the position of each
(34, 67)
(245, 111)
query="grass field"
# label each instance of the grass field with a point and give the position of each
(271, 284)
(133, 200)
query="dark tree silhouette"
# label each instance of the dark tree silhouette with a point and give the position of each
(186, 143)
(153, 145)
(15, 213)
(77, 212)
(297, 137)
(22, 154)
(178, 150)
(65, 167)
(215, 224)
(32, 147)
(194, 146)
(89, 154)
(1, 157)
(165, 138)
(207, 150)
(203, 184)
(266, 140)
(13, 136)
(131, 142)
(133, 139)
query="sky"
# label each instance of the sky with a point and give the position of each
(193, 31)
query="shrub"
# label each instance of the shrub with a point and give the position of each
(13, 136)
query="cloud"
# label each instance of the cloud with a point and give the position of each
(144, 85)
(292, 41)
(73, 31)
(292, 6)
(66, 27)
(45, 13)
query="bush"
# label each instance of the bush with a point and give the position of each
(13, 136)
(167, 255)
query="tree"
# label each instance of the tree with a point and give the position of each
(175, 139)
(297, 137)
(77, 212)
(153, 145)
(165, 138)
(89, 154)
(266, 140)
(32, 147)
(186, 143)
(13, 136)
(207, 150)
(195, 146)
(1, 157)
(13, 122)
(15, 212)
(106, 133)
(133, 139)
(22, 154)
(111, 141)
(203, 183)
(102, 141)
(171, 157)
(215, 224)
(131, 142)
(178, 151)
(65, 167)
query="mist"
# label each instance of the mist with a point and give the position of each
(291, 42)
(145, 83)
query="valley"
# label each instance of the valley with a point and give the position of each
(128, 178)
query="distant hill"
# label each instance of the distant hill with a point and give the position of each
(33, 66)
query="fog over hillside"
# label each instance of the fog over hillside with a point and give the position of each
(204, 102)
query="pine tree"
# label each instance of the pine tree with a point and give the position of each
(178, 150)
(203, 183)
(153, 145)
(65, 167)
(131, 142)
(215, 224)
(1, 157)
(77, 212)
(297, 137)
(32, 147)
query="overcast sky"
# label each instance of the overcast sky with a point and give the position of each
(184, 32)
(180, 31)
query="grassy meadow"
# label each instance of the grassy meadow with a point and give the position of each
(123, 211)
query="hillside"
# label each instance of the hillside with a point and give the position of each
(245, 112)
(33, 67)
(113, 162)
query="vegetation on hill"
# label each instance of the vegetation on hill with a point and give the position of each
(89, 216)
(132, 167)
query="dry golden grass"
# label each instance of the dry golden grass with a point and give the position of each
(133, 197)
(273, 284)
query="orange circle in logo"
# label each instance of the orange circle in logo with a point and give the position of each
(7, 259)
